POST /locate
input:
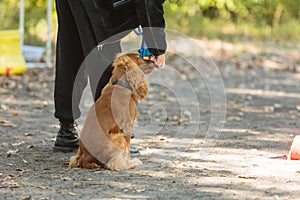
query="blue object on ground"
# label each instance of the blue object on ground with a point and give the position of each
(134, 150)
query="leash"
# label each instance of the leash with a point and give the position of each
(143, 51)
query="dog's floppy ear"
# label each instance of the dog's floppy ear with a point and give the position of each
(121, 65)
(136, 79)
(141, 92)
(148, 66)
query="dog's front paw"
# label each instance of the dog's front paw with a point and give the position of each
(74, 161)
(120, 163)
(134, 162)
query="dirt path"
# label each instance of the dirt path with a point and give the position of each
(180, 161)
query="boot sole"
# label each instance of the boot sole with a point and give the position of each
(64, 149)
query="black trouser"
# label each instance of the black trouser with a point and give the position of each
(79, 32)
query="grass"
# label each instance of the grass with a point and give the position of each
(284, 34)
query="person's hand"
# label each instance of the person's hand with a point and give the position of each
(160, 61)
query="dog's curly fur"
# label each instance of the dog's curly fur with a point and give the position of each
(116, 111)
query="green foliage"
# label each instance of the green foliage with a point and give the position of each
(216, 17)
(35, 19)
(259, 11)
(198, 18)
(9, 14)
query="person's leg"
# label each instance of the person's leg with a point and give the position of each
(76, 38)
(69, 56)
(97, 61)
(80, 30)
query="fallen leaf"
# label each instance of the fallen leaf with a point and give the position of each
(28, 134)
(7, 123)
(162, 138)
(140, 190)
(15, 113)
(15, 185)
(4, 144)
(66, 179)
(18, 144)
(234, 118)
(9, 182)
(42, 187)
(22, 170)
(25, 198)
(268, 109)
(247, 177)
(11, 152)
(72, 194)
(4, 107)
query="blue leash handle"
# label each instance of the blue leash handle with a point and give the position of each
(143, 51)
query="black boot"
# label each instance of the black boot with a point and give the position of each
(67, 138)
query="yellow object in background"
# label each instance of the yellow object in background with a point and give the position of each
(11, 57)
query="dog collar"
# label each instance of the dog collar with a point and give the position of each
(125, 85)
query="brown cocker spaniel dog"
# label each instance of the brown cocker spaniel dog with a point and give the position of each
(105, 136)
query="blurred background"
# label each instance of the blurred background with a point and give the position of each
(228, 20)
(224, 19)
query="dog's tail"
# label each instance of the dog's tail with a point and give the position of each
(74, 161)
